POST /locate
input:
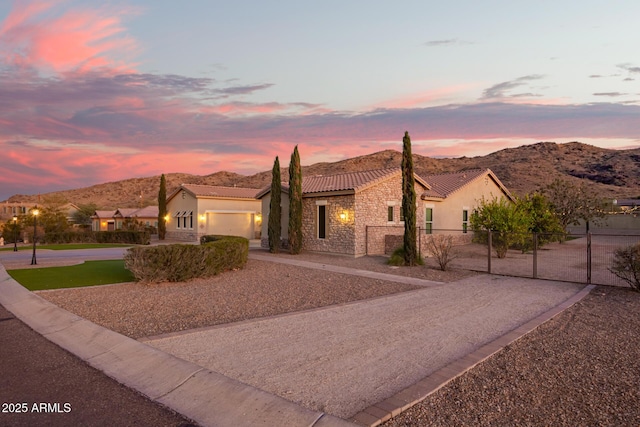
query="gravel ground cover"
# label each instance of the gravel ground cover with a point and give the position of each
(379, 264)
(582, 368)
(260, 289)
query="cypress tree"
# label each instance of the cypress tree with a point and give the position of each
(295, 203)
(275, 210)
(162, 208)
(408, 203)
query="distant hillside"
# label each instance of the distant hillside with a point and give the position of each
(611, 173)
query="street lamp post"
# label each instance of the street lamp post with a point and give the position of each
(15, 233)
(35, 223)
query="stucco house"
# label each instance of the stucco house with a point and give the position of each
(197, 210)
(113, 220)
(103, 221)
(359, 213)
(9, 210)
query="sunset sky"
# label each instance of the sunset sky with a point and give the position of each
(98, 91)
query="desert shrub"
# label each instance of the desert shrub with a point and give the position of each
(119, 236)
(123, 236)
(180, 262)
(69, 237)
(626, 265)
(508, 223)
(397, 258)
(441, 248)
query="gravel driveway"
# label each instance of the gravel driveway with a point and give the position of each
(341, 359)
(578, 369)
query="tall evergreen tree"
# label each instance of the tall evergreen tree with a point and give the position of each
(275, 210)
(295, 203)
(409, 203)
(162, 208)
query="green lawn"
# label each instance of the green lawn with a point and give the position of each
(90, 273)
(66, 246)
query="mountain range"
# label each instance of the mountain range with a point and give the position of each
(610, 173)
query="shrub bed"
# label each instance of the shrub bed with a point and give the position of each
(180, 262)
(123, 236)
(119, 236)
(69, 237)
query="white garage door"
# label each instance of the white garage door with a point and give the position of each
(231, 224)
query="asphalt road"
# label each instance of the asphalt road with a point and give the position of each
(42, 384)
(52, 387)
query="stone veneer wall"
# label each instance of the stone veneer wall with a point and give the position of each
(340, 233)
(284, 243)
(372, 205)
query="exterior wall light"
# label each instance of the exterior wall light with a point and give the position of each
(202, 217)
(344, 216)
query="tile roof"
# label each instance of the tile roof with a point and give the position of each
(444, 184)
(103, 214)
(146, 212)
(216, 191)
(124, 212)
(345, 181)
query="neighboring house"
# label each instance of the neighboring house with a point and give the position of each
(359, 213)
(198, 210)
(70, 210)
(103, 221)
(9, 210)
(148, 216)
(114, 220)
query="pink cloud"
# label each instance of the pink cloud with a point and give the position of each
(37, 34)
(443, 95)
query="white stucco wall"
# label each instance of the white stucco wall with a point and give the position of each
(447, 213)
(214, 216)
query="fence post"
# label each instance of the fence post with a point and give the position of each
(535, 255)
(588, 257)
(489, 253)
(419, 242)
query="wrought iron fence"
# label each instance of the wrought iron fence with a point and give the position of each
(582, 258)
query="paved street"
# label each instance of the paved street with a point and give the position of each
(34, 371)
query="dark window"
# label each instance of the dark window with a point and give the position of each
(322, 222)
(390, 213)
